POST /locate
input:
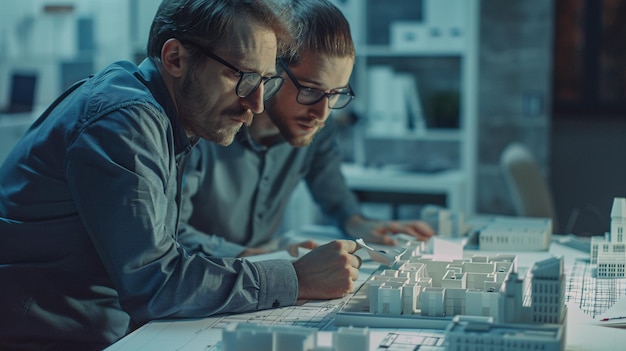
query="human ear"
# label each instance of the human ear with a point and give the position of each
(173, 57)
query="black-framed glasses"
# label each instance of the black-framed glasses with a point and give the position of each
(248, 81)
(310, 96)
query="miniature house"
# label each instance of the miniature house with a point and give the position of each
(548, 292)
(250, 336)
(516, 234)
(480, 286)
(608, 253)
(481, 333)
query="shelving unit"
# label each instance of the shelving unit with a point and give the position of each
(432, 46)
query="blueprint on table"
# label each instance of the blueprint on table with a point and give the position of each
(593, 296)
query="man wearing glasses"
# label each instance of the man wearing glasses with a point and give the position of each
(90, 196)
(235, 197)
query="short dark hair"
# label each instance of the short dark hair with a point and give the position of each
(211, 22)
(320, 28)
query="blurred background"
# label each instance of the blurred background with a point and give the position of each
(443, 88)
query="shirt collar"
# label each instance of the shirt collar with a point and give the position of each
(150, 75)
(244, 137)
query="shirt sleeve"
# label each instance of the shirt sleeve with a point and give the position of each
(196, 241)
(122, 172)
(326, 183)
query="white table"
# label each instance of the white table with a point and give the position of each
(204, 333)
(450, 184)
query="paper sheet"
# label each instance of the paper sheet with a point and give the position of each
(614, 316)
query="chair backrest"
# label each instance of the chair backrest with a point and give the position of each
(528, 187)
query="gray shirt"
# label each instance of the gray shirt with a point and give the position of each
(88, 214)
(235, 196)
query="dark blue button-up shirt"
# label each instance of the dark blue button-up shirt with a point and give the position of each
(88, 221)
(249, 187)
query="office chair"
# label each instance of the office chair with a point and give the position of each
(529, 190)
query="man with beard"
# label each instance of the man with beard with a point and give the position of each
(234, 197)
(89, 197)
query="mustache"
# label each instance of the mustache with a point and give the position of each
(240, 114)
(313, 122)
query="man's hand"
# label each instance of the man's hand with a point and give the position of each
(328, 272)
(375, 231)
(293, 248)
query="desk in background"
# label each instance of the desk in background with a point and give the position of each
(445, 188)
(205, 333)
(388, 187)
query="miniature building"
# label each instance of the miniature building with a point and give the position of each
(351, 339)
(483, 303)
(513, 295)
(439, 288)
(390, 299)
(431, 302)
(515, 234)
(608, 253)
(481, 334)
(481, 286)
(249, 336)
(524, 312)
(447, 223)
(548, 292)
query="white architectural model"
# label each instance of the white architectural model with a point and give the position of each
(516, 234)
(501, 233)
(516, 313)
(482, 304)
(493, 308)
(248, 336)
(447, 223)
(480, 333)
(480, 286)
(608, 253)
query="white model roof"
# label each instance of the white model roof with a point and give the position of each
(549, 268)
(619, 207)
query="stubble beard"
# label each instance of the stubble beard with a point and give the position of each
(201, 120)
(304, 140)
(293, 139)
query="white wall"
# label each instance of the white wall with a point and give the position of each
(32, 39)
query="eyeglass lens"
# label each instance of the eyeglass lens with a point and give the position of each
(250, 81)
(310, 96)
